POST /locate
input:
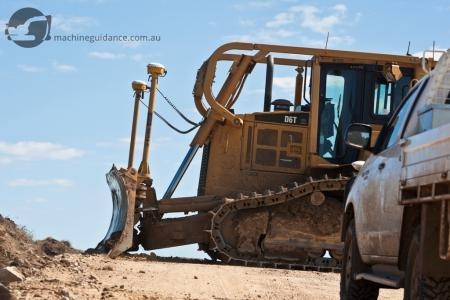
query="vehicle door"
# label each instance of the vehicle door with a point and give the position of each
(380, 217)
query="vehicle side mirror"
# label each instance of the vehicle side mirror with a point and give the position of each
(358, 136)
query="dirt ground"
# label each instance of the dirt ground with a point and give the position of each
(76, 276)
(54, 270)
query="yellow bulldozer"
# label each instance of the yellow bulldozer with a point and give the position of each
(272, 183)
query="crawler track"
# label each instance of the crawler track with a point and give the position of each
(270, 198)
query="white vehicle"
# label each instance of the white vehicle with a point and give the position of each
(396, 222)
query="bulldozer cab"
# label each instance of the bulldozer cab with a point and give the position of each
(294, 138)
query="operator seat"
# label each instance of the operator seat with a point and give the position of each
(281, 105)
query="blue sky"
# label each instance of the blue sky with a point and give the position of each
(66, 107)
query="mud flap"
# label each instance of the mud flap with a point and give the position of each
(119, 237)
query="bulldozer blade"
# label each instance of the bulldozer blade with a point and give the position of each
(119, 237)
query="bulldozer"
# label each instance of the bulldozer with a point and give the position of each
(272, 182)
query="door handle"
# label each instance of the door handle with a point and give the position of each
(381, 166)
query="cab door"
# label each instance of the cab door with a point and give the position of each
(350, 94)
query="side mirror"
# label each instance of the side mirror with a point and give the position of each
(358, 136)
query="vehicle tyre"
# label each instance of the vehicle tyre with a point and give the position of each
(353, 264)
(418, 286)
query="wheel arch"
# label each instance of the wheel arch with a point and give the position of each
(349, 215)
(349, 212)
(410, 223)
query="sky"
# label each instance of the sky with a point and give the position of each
(66, 107)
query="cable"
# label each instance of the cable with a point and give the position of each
(237, 92)
(173, 127)
(168, 123)
(176, 109)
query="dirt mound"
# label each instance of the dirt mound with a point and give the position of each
(17, 248)
(53, 247)
(16, 245)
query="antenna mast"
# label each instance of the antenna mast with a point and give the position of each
(326, 43)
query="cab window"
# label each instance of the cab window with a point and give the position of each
(394, 128)
(382, 104)
(330, 114)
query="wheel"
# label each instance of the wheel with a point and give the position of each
(418, 286)
(352, 264)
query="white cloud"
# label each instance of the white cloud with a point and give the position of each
(300, 24)
(130, 44)
(284, 83)
(335, 81)
(137, 57)
(312, 20)
(126, 140)
(247, 23)
(246, 38)
(340, 8)
(252, 92)
(114, 56)
(261, 4)
(64, 68)
(71, 24)
(24, 182)
(91, 1)
(280, 20)
(31, 150)
(30, 68)
(155, 144)
(333, 41)
(39, 200)
(264, 36)
(104, 144)
(5, 160)
(429, 53)
(280, 33)
(253, 5)
(3, 25)
(106, 55)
